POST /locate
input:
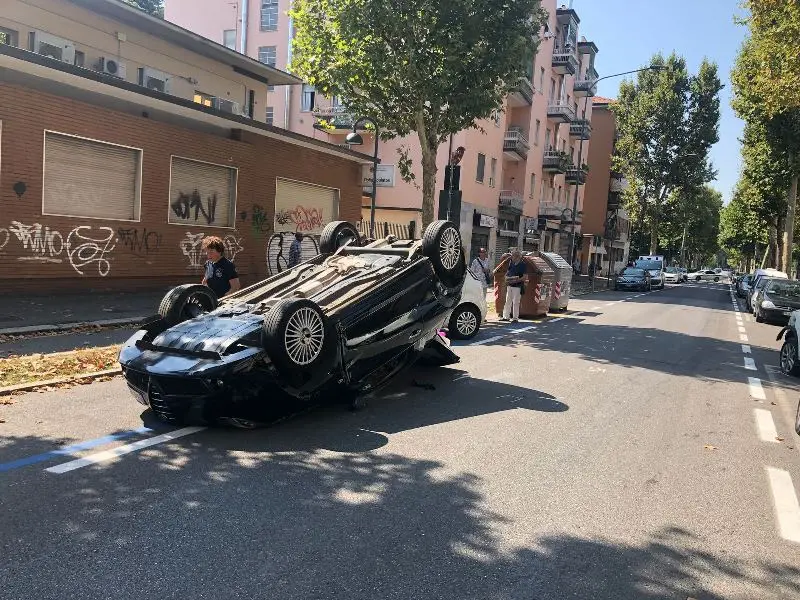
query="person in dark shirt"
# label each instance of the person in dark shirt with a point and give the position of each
(221, 275)
(515, 279)
(294, 250)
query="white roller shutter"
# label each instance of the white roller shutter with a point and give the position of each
(86, 178)
(202, 193)
(304, 207)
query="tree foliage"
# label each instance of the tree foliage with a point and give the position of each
(422, 66)
(743, 228)
(667, 122)
(151, 7)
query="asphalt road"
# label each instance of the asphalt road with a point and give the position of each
(613, 453)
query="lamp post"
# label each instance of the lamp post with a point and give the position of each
(355, 139)
(580, 151)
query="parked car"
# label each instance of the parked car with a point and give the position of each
(777, 300)
(755, 292)
(467, 317)
(633, 278)
(655, 268)
(683, 273)
(704, 275)
(342, 323)
(672, 275)
(789, 358)
(743, 285)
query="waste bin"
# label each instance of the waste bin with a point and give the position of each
(563, 279)
(536, 300)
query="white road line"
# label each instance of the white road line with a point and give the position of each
(746, 349)
(488, 340)
(749, 364)
(787, 508)
(523, 329)
(611, 304)
(122, 450)
(631, 298)
(555, 320)
(596, 308)
(742, 330)
(756, 391)
(743, 337)
(765, 425)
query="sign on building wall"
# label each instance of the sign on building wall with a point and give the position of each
(488, 221)
(385, 177)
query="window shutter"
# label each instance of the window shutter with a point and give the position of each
(85, 178)
(304, 207)
(202, 193)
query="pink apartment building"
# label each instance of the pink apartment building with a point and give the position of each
(518, 177)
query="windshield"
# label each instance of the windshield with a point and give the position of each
(780, 287)
(632, 271)
(650, 265)
(671, 270)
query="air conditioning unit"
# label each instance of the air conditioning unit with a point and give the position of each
(228, 106)
(154, 80)
(112, 66)
(52, 46)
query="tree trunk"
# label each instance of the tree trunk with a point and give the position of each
(654, 234)
(428, 187)
(773, 245)
(788, 231)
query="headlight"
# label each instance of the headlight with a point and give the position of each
(767, 304)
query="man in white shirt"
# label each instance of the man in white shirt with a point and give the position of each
(480, 269)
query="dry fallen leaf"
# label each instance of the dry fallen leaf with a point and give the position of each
(774, 403)
(2, 420)
(779, 438)
(709, 447)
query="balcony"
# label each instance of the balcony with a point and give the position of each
(564, 60)
(515, 145)
(551, 210)
(617, 184)
(559, 111)
(522, 95)
(585, 87)
(335, 119)
(614, 200)
(581, 129)
(555, 162)
(575, 175)
(511, 201)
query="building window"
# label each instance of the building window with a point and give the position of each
(541, 80)
(269, 15)
(80, 58)
(533, 186)
(492, 172)
(552, 90)
(204, 99)
(496, 117)
(536, 135)
(201, 193)
(229, 38)
(91, 179)
(559, 194)
(541, 191)
(307, 100)
(481, 168)
(9, 37)
(270, 115)
(267, 55)
(547, 139)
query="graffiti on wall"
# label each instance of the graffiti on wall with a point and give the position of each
(192, 248)
(300, 218)
(84, 247)
(259, 218)
(139, 243)
(186, 203)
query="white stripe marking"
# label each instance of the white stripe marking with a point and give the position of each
(746, 349)
(488, 340)
(756, 391)
(743, 337)
(596, 308)
(749, 364)
(523, 329)
(787, 508)
(611, 304)
(556, 319)
(742, 330)
(765, 425)
(122, 450)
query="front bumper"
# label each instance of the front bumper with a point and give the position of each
(776, 315)
(631, 285)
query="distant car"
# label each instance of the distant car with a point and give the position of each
(467, 317)
(655, 268)
(633, 278)
(683, 273)
(743, 285)
(755, 292)
(777, 301)
(704, 275)
(672, 275)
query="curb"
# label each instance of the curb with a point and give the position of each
(67, 326)
(24, 387)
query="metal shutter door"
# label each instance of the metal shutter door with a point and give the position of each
(84, 178)
(202, 193)
(304, 207)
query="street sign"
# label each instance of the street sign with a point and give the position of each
(385, 177)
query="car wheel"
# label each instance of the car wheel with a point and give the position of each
(441, 243)
(465, 321)
(797, 420)
(789, 363)
(298, 338)
(335, 235)
(759, 318)
(186, 302)
(716, 279)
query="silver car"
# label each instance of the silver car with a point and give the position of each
(704, 275)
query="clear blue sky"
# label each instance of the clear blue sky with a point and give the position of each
(628, 32)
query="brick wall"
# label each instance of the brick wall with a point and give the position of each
(151, 252)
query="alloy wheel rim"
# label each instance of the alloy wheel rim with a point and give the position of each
(787, 360)
(466, 323)
(304, 336)
(449, 248)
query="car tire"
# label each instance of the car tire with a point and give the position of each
(299, 339)
(335, 235)
(716, 279)
(759, 318)
(441, 244)
(789, 363)
(465, 322)
(797, 420)
(186, 302)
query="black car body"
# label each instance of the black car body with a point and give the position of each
(343, 322)
(633, 278)
(777, 300)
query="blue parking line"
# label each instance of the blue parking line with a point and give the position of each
(37, 458)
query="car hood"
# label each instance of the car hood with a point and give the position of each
(784, 301)
(654, 272)
(629, 278)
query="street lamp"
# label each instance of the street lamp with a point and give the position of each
(355, 139)
(580, 150)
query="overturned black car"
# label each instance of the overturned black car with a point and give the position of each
(341, 324)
